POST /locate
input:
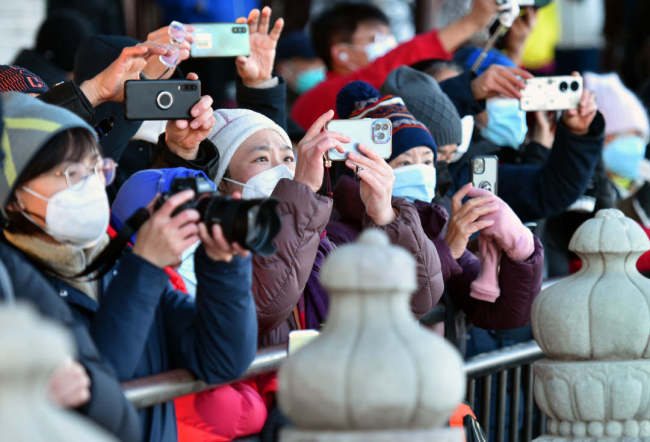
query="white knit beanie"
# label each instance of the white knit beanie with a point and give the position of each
(622, 110)
(233, 127)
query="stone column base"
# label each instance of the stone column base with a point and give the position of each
(420, 435)
(547, 438)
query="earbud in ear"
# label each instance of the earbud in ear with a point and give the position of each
(343, 56)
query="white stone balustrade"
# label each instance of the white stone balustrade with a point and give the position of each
(31, 348)
(373, 373)
(594, 328)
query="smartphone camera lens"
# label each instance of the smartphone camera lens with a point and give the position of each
(564, 86)
(380, 136)
(478, 166)
(377, 127)
(164, 100)
(575, 86)
(385, 126)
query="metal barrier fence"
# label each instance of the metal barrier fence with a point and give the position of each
(480, 371)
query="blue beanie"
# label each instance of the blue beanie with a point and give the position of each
(143, 186)
(360, 100)
(468, 55)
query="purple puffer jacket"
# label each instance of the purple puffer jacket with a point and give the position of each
(520, 282)
(405, 231)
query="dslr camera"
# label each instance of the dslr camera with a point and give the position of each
(251, 223)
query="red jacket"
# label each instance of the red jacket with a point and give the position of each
(315, 102)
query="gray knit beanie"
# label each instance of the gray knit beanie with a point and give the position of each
(428, 103)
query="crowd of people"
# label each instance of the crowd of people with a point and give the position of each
(146, 285)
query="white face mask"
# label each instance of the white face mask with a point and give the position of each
(76, 216)
(415, 182)
(467, 130)
(262, 184)
(381, 46)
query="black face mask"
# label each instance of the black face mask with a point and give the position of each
(443, 178)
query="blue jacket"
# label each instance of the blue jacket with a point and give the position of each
(143, 327)
(107, 406)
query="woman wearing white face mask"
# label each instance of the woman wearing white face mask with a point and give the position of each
(56, 213)
(258, 161)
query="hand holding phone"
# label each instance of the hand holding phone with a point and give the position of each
(374, 133)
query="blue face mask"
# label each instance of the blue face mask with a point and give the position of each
(623, 156)
(506, 122)
(415, 182)
(306, 80)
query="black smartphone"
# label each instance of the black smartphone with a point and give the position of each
(161, 99)
(485, 172)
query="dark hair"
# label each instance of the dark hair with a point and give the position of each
(61, 34)
(338, 23)
(70, 145)
(434, 66)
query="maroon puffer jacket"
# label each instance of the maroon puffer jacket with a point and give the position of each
(279, 280)
(405, 231)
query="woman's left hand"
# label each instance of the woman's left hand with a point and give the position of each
(377, 179)
(217, 247)
(258, 66)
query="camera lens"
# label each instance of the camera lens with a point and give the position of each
(377, 127)
(164, 100)
(478, 166)
(380, 136)
(575, 86)
(385, 126)
(564, 86)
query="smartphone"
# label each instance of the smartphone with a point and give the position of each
(374, 133)
(220, 40)
(485, 172)
(160, 99)
(560, 92)
(300, 338)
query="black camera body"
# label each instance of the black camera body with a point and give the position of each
(253, 223)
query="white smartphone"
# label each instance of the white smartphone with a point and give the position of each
(374, 133)
(551, 93)
(485, 172)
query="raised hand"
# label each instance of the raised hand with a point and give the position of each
(258, 66)
(579, 120)
(310, 151)
(464, 221)
(217, 247)
(377, 179)
(183, 136)
(108, 85)
(154, 68)
(499, 81)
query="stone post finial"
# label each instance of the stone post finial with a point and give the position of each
(373, 369)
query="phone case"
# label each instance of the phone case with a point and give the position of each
(220, 40)
(160, 99)
(551, 93)
(375, 133)
(485, 172)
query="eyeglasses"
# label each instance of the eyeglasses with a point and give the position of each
(77, 173)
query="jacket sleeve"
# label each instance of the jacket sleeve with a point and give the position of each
(107, 406)
(69, 96)
(315, 102)
(459, 91)
(278, 280)
(121, 326)
(406, 231)
(271, 102)
(214, 336)
(536, 192)
(520, 283)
